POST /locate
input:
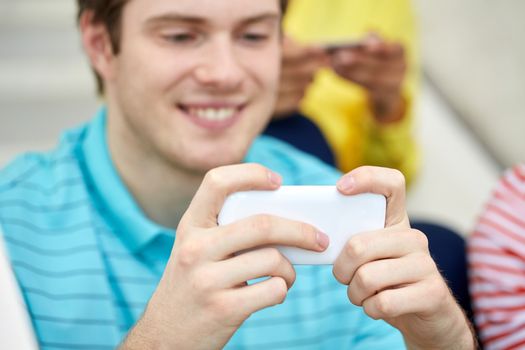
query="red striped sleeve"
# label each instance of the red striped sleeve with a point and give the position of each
(510, 216)
(514, 183)
(499, 336)
(497, 265)
(519, 172)
(518, 345)
(502, 229)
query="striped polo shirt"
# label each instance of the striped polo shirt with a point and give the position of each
(87, 258)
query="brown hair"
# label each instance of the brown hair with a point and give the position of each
(109, 13)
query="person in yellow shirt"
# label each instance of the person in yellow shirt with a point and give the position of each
(361, 95)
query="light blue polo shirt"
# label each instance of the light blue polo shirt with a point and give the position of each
(87, 258)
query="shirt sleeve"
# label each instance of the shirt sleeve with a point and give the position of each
(497, 265)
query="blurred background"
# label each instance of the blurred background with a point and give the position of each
(470, 120)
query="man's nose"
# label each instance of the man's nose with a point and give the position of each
(221, 67)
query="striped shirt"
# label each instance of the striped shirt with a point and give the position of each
(497, 265)
(87, 259)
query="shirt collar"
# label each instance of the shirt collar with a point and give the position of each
(133, 227)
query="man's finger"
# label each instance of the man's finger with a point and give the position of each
(254, 297)
(388, 182)
(411, 299)
(263, 230)
(379, 275)
(221, 182)
(376, 245)
(255, 264)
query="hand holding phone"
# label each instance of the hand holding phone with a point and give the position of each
(324, 207)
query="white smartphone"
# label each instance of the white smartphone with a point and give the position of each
(324, 207)
(333, 47)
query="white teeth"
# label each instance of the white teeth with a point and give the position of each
(212, 114)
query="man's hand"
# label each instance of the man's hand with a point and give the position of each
(391, 275)
(203, 297)
(379, 67)
(299, 65)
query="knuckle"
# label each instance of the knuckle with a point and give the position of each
(420, 238)
(355, 248)
(365, 171)
(308, 233)
(371, 310)
(384, 305)
(398, 178)
(262, 223)
(340, 275)
(213, 179)
(189, 253)
(364, 279)
(352, 296)
(273, 258)
(280, 290)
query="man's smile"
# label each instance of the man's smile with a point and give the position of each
(212, 115)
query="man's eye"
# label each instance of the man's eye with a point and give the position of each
(181, 38)
(255, 37)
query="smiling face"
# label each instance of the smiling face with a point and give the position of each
(195, 80)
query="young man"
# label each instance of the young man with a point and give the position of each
(114, 234)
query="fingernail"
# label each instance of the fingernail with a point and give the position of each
(275, 178)
(346, 184)
(323, 240)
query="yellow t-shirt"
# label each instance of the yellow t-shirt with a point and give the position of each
(339, 107)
